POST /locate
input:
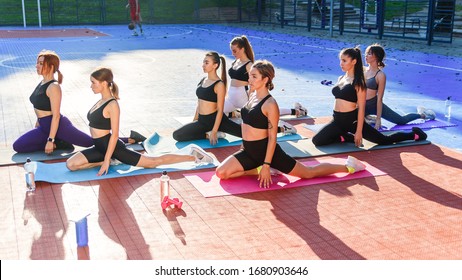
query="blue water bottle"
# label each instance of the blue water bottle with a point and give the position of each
(81, 232)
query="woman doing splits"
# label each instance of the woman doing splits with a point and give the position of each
(259, 129)
(104, 128)
(209, 120)
(349, 108)
(375, 84)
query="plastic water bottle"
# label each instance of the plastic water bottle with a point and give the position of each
(81, 232)
(81, 229)
(447, 103)
(164, 185)
(30, 167)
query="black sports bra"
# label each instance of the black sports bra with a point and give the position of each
(371, 83)
(347, 92)
(240, 73)
(207, 93)
(39, 97)
(254, 116)
(97, 119)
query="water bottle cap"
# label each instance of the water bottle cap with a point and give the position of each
(449, 97)
(28, 160)
(164, 172)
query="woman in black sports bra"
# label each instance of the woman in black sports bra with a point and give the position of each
(52, 130)
(237, 95)
(104, 119)
(209, 120)
(259, 131)
(375, 84)
(348, 122)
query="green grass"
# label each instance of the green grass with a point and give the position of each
(395, 8)
(458, 8)
(398, 8)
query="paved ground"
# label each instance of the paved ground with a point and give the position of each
(413, 212)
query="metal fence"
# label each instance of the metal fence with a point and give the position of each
(430, 20)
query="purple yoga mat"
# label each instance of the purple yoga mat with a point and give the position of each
(423, 124)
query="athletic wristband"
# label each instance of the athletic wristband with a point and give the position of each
(268, 163)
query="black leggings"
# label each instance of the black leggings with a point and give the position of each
(198, 129)
(344, 123)
(121, 153)
(254, 152)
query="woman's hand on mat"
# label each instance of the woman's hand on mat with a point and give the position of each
(265, 176)
(213, 138)
(49, 147)
(378, 124)
(104, 168)
(358, 139)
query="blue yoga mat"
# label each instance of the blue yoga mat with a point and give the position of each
(9, 157)
(156, 144)
(58, 172)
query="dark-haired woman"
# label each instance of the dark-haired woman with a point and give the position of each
(259, 131)
(375, 90)
(349, 109)
(210, 121)
(238, 94)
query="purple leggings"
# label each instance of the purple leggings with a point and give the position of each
(36, 139)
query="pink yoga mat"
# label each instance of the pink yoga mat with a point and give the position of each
(209, 185)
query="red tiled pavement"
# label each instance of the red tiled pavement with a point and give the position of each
(414, 212)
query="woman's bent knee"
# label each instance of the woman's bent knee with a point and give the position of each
(221, 173)
(178, 135)
(316, 141)
(71, 165)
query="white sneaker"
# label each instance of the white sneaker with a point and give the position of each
(201, 156)
(428, 114)
(370, 119)
(287, 128)
(236, 114)
(302, 110)
(115, 162)
(275, 172)
(355, 164)
(220, 134)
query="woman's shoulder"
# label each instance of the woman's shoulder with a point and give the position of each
(219, 84)
(381, 74)
(271, 102)
(249, 64)
(112, 103)
(54, 86)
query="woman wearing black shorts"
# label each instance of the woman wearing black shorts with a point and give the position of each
(104, 119)
(259, 131)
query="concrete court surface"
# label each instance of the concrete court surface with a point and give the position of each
(414, 212)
